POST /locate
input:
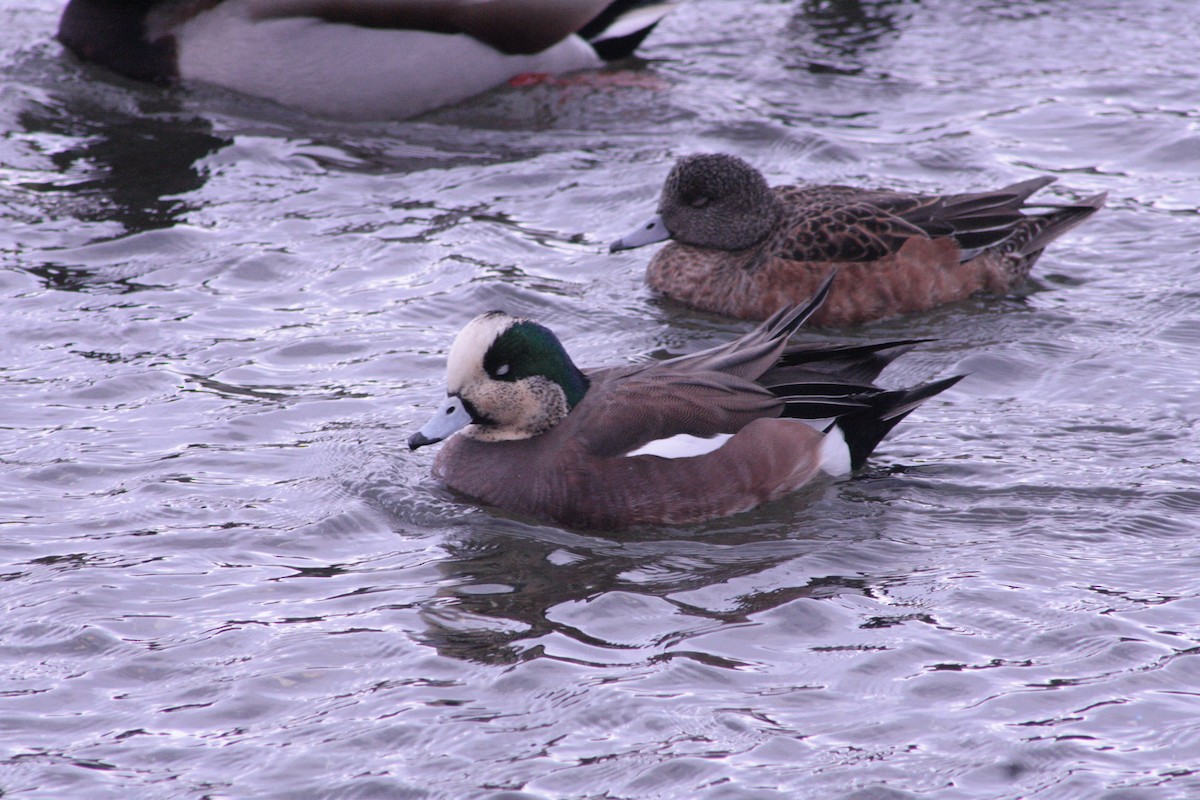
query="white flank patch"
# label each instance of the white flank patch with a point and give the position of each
(835, 454)
(682, 445)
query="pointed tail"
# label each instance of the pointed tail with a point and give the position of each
(1042, 229)
(865, 428)
(618, 30)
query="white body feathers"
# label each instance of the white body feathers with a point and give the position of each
(349, 71)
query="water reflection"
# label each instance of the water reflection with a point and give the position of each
(832, 34)
(107, 174)
(131, 169)
(517, 592)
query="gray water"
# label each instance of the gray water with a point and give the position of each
(224, 576)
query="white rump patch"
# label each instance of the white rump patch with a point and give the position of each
(683, 445)
(835, 453)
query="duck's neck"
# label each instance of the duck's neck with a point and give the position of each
(767, 213)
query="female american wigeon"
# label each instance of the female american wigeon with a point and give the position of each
(743, 248)
(682, 440)
(364, 59)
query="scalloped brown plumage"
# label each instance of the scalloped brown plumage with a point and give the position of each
(743, 249)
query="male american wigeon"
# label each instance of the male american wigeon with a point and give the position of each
(743, 248)
(364, 59)
(682, 440)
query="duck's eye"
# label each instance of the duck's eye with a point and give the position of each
(502, 370)
(699, 201)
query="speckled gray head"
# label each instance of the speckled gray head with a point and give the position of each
(709, 200)
(506, 378)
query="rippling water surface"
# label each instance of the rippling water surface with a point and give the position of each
(224, 576)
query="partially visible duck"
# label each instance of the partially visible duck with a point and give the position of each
(361, 59)
(682, 440)
(743, 248)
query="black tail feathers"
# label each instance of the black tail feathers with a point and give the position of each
(621, 27)
(864, 428)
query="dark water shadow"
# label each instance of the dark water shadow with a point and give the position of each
(505, 579)
(833, 36)
(128, 164)
(129, 168)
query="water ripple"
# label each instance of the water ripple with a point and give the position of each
(224, 574)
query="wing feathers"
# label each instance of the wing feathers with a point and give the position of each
(511, 26)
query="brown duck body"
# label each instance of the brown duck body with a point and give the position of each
(895, 252)
(578, 473)
(687, 439)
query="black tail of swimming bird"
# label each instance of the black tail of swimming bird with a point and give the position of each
(864, 428)
(618, 30)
